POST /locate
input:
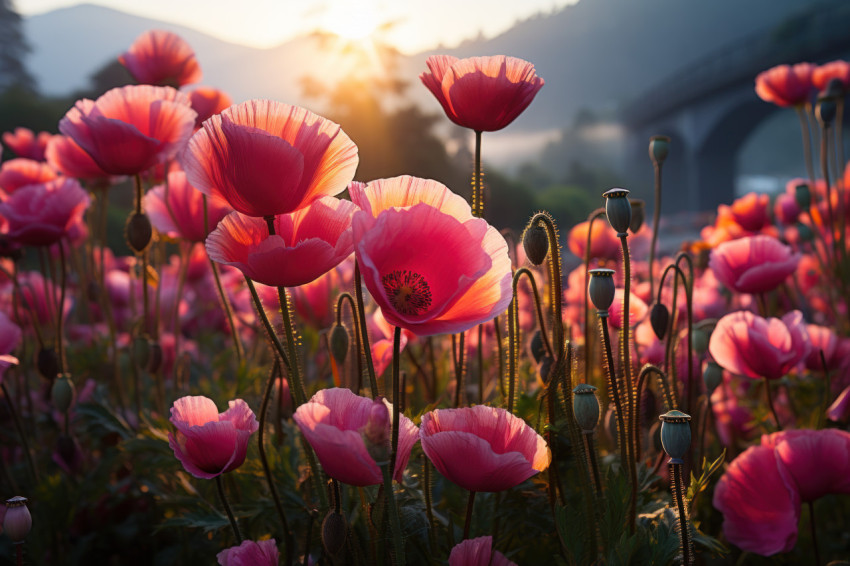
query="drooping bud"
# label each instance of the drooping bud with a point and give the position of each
(334, 531)
(602, 289)
(659, 318)
(63, 393)
(155, 358)
(339, 343)
(658, 149)
(638, 215)
(825, 110)
(48, 363)
(535, 242)
(618, 209)
(803, 196)
(834, 88)
(141, 351)
(712, 376)
(18, 521)
(376, 433)
(545, 368)
(586, 407)
(139, 232)
(675, 435)
(536, 347)
(699, 341)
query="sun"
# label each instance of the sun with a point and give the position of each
(354, 21)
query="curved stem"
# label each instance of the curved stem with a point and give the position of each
(770, 404)
(625, 350)
(364, 331)
(228, 510)
(656, 218)
(598, 213)
(355, 319)
(469, 506)
(225, 302)
(270, 333)
(614, 390)
(295, 372)
(646, 370)
(541, 323)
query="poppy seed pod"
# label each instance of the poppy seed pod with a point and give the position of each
(601, 289)
(659, 318)
(586, 407)
(658, 148)
(48, 363)
(535, 242)
(803, 196)
(638, 215)
(18, 521)
(712, 376)
(619, 210)
(675, 435)
(334, 531)
(139, 232)
(699, 341)
(62, 393)
(339, 343)
(825, 110)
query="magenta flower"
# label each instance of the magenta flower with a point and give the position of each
(207, 101)
(332, 422)
(207, 443)
(477, 552)
(753, 264)
(482, 93)
(25, 143)
(266, 158)
(20, 172)
(483, 448)
(161, 58)
(250, 553)
(39, 215)
(65, 155)
(749, 345)
(178, 212)
(306, 244)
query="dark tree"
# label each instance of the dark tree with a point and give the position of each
(13, 50)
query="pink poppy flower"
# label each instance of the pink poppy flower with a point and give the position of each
(823, 338)
(833, 70)
(315, 302)
(754, 264)
(177, 209)
(477, 552)
(604, 243)
(786, 209)
(250, 553)
(10, 339)
(207, 101)
(25, 143)
(749, 345)
(839, 411)
(431, 273)
(760, 508)
(786, 85)
(484, 94)
(483, 448)
(20, 172)
(751, 211)
(306, 244)
(332, 420)
(207, 443)
(132, 128)
(406, 191)
(66, 156)
(161, 58)
(817, 462)
(39, 215)
(637, 309)
(266, 158)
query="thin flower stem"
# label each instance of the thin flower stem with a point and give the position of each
(480, 352)
(684, 530)
(396, 399)
(656, 218)
(813, 529)
(429, 511)
(270, 333)
(395, 523)
(644, 372)
(469, 507)
(807, 143)
(356, 321)
(364, 331)
(500, 353)
(625, 352)
(60, 325)
(594, 466)
(770, 404)
(614, 390)
(295, 372)
(20, 428)
(460, 365)
(477, 181)
(588, 341)
(227, 509)
(830, 222)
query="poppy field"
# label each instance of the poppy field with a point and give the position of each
(295, 365)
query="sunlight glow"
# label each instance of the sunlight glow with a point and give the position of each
(353, 20)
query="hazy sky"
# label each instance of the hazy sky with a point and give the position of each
(419, 24)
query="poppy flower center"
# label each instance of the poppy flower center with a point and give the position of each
(408, 291)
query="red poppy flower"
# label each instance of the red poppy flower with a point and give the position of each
(161, 58)
(786, 85)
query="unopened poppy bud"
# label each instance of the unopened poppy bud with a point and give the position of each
(699, 341)
(18, 521)
(712, 376)
(601, 289)
(48, 363)
(155, 359)
(535, 242)
(586, 406)
(334, 531)
(545, 368)
(618, 209)
(803, 196)
(376, 433)
(93, 291)
(638, 215)
(536, 347)
(659, 318)
(139, 232)
(339, 343)
(141, 351)
(62, 393)
(675, 435)
(804, 232)
(658, 148)
(834, 88)
(825, 111)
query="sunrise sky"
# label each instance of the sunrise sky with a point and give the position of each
(417, 24)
